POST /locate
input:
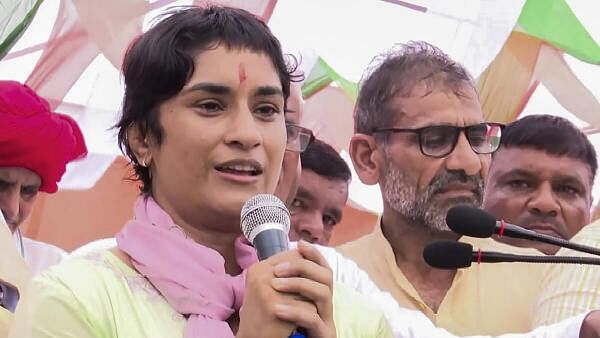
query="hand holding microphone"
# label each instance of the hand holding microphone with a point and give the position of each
(287, 289)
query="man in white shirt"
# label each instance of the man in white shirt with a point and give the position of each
(35, 146)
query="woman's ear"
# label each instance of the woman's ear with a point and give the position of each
(366, 157)
(138, 142)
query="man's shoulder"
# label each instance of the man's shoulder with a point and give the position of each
(526, 277)
(98, 245)
(357, 244)
(589, 234)
(490, 244)
(32, 245)
(39, 256)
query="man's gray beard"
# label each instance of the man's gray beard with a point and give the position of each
(418, 206)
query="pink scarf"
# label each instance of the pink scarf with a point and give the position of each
(190, 276)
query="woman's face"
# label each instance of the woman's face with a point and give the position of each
(223, 140)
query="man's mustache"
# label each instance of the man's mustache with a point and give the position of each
(447, 178)
(539, 219)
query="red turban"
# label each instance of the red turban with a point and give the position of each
(34, 137)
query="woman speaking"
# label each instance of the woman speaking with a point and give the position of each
(203, 124)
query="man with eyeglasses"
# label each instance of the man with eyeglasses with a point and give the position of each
(298, 140)
(404, 322)
(420, 134)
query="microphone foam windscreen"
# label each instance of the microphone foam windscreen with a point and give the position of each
(448, 254)
(263, 209)
(470, 221)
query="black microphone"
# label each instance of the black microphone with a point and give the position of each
(456, 255)
(265, 222)
(9, 296)
(473, 222)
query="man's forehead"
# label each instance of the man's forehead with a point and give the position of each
(514, 155)
(20, 175)
(534, 161)
(311, 179)
(437, 106)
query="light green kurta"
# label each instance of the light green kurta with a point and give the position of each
(100, 296)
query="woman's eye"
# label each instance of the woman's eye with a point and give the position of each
(209, 106)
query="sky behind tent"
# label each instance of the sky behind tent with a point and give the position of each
(347, 34)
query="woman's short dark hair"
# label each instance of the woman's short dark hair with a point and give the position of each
(160, 62)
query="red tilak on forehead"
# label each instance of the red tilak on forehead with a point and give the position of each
(242, 73)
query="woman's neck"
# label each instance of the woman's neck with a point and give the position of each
(213, 236)
(222, 242)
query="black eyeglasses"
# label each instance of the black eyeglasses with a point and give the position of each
(439, 141)
(298, 138)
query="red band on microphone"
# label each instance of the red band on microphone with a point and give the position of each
(501, 228)
(479, 256)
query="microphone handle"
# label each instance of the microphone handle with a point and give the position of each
(532, 235)
(497, 257)
(270, 242)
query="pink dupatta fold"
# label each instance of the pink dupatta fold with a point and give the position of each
(189, 275)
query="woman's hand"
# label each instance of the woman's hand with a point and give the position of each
(289, 290)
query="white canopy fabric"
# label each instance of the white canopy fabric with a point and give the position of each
(347, 34)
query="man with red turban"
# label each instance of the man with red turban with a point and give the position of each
(35, 146)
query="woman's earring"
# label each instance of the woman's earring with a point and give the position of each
(143, 163)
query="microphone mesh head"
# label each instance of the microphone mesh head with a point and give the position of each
(261, 209)
(447, 254)
(470, 221)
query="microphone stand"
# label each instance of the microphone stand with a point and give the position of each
(534, 236)
(497, 257)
